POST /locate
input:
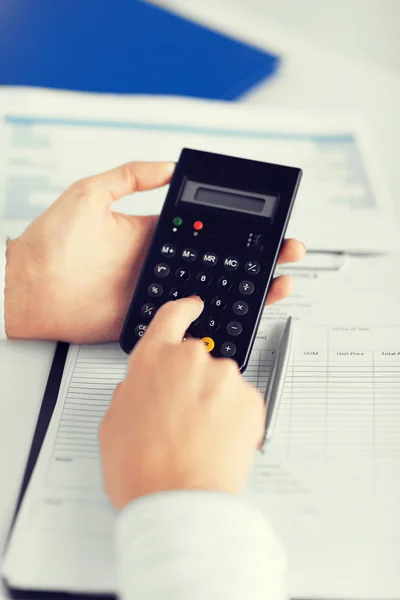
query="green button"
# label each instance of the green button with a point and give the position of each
(177, 221)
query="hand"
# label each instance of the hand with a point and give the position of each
(181, 419)
(71, 275)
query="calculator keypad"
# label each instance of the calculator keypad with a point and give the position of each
(227, 285)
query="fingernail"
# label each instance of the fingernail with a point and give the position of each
(196, 298)
(304, 246)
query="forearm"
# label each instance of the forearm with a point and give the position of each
(197, 546)
(23, 296)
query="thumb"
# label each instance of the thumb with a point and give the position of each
(129, 178)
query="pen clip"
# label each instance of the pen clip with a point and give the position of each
(274, 388)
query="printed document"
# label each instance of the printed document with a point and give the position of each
(52, 138)
(329, 480)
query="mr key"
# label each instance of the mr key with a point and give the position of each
(218, 237)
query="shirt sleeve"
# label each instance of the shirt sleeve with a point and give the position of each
(197, 545)
(3, 250)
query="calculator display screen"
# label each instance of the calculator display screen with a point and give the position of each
(229, 199)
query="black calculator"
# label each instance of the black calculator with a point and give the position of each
(218, 237)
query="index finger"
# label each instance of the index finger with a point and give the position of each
(172, 321)
(131, 177)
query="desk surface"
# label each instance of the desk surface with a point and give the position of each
(311, 79)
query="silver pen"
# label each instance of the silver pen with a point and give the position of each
(276, 380)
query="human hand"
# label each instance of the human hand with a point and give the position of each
(71, 275)
(181, 419)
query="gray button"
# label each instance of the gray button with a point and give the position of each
(228, 349)
(210, 259)
(167, 250)
(161, 270)
(240, 307)
(189, 254)
(140, 330)
(234, 328)
(231, 263)
(155, 290)
(246, 288)
(252, 267)
(148, 310)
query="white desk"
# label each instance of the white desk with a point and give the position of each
(313, 78)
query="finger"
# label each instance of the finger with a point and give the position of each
(281, 287)
(291, 251)
(129, 178)
(172, 320)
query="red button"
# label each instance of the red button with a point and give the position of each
(197, 225)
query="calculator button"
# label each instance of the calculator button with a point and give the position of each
(228, 349)
(174, 294)
(155, 290)
(140, 330)
(203, 278)
(246, 288)
(218, 303)
(148, 310)
(231, 263)
(168, 250)
(240, 308)
(234, 328)
(252, 267)
(225, 283)
(212, 324)
(210, 259)
(209, 343)
(189, 254)
(161, 270)
(182, 274)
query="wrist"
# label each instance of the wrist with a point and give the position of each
(19, 296)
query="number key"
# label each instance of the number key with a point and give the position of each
(182, 274)
(225, 283)
(212, 324)
(218, 303)
(203, 278)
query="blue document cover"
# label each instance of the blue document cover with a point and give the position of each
(122, 46)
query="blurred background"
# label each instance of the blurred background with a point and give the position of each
(317, 56)
(340, 57)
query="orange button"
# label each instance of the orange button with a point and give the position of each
(197, 225)
(209, 343)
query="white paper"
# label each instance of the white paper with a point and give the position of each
(53, 138)
(329, 480)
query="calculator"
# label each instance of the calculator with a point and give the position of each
(218, 237)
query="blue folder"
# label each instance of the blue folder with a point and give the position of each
(122, 46)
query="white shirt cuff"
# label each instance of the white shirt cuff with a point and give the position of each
(197, 545)
(3, 250)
